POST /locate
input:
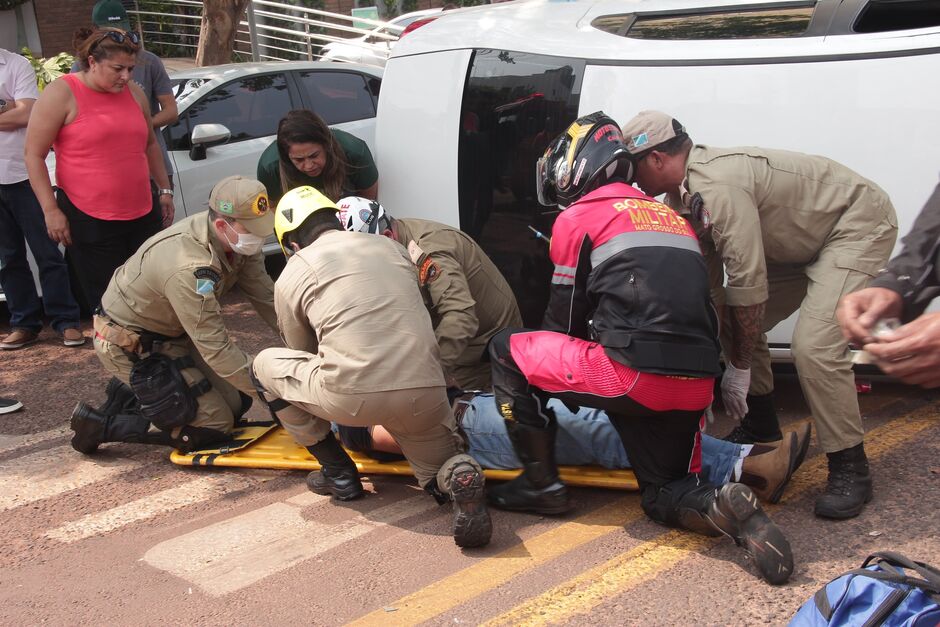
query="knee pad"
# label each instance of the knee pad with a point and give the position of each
(165, 398)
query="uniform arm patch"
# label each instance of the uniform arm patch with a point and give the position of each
(428, 271)
(206, 280)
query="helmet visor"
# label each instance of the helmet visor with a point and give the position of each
(543, 183)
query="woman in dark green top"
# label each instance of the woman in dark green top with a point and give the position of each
(308, 152)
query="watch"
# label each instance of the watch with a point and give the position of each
(3, 105)
(165, 192)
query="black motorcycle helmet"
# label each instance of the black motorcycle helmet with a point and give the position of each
(590, 153)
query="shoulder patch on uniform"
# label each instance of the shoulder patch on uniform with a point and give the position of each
(699, 210)
(428, 271)
(206, 278)
(415, 252)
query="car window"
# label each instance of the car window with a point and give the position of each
(880, 16)
(339, 96)
(514, 104)
(743, 23)
(249, 107)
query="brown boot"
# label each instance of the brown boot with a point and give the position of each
(767, 472)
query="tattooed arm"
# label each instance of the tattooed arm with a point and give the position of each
(746, 323)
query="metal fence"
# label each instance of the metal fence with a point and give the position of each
(271, 30)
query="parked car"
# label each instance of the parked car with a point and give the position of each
(470, 100)
(374, 47)
(229, 115)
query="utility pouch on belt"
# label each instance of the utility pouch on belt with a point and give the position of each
(165, 398)
(116, 334)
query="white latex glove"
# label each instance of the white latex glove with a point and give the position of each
(734, 386)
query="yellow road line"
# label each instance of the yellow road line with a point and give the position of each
(474, 580)
(583, 593)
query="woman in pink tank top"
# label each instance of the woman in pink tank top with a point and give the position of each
(98, 122)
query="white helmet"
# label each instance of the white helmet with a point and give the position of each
(363, 215)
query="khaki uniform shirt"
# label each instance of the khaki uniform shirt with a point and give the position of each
(353, 300)
(753, 208)
(468, 298)
(172, 285)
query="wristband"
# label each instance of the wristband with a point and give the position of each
(165, 192)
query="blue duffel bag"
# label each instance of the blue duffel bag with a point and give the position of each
(889, 589)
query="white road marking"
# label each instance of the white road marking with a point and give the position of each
(227, 556)
(13, 442)
(49, 473)
(162, 502)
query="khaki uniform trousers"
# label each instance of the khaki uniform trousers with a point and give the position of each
(216, 408)
(848, 261)
(420, 419)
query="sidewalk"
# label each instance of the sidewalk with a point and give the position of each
(178, 63)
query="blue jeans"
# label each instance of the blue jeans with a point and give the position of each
(584, 438)
(22, 223)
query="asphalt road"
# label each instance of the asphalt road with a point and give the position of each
(126, 537)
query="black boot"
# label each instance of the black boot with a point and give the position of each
(92, 428)
(538, 489)
(732, 510)
(120, 399)
(338, 475)
(849, 486)
(737, 513)
(472, 524)
(759, 425)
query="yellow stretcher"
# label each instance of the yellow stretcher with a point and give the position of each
(267, 445)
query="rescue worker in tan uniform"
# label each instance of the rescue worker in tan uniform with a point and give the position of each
(160, 327)
(790, 232)
(361, 352)
(467, 297)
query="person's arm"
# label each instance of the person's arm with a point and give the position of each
(256, 283)
(361, 172)
(16, 114)
(371, 192)
(48, 116)
(268, 173)
(162, 89)
(200, 315)
(915, 272)
(168, 113)
(443, 277)
(292, 298)
(155, 158)
(568, 307)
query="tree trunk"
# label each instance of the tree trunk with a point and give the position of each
(220, 20)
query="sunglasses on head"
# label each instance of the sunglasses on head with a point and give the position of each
(119, 36)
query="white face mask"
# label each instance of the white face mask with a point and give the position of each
(245, 243)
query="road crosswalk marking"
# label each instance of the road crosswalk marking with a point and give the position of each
(227, 556)
(162, 502)
(49, 473)
(12, 442)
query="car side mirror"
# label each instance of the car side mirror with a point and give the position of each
(206, 136)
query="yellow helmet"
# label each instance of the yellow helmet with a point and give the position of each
(296, 206)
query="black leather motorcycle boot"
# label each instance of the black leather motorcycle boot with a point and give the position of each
(93, 428)
(759, 425)
(338, 475)
(849, 487)
(734, 511)
(538, 489)
(120, 398)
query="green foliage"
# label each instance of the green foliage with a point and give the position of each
(47, 70)
(407, 6)
(6, 5)
(391, 8)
